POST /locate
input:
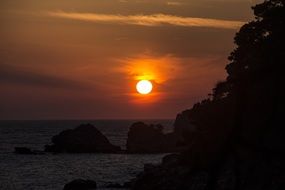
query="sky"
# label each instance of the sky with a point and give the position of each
(81, 59)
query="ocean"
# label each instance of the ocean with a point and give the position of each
(53, 171)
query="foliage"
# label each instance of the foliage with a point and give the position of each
(260, 50)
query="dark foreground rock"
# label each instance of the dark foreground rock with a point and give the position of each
(170, 175)
(222, 155)
(251, 173)
(80, 184)
(143, 138)
(126, 185)
(115, 185)
(25, 150)
(83, 139)
(220, 158)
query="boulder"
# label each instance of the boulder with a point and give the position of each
(163, 177)
(115, 186)
(183, 123)
(25, 150)
(80, 184)
(171, 159)
(83, 139)
(143, 138)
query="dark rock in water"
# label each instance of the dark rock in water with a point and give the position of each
(143, 138)
(25, 150)
(126, 185)
(163, 177)
(170, 159)
(80, 184)
(148, 167)
(129, 184)
(83, 139)
(115, 185)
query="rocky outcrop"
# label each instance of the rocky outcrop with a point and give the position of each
(250, 171)
(170, 175)
(83, 139)
(183, 123)
(124, 186)
(25, 150)
(221, 157)
(183, 127)
(143, 138)
(80, 184)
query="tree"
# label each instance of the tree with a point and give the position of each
(260, 45)
(254, 82)
(221, 90)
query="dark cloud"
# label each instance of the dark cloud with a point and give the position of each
(16, 75)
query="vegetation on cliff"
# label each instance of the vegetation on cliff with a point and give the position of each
(239, 138)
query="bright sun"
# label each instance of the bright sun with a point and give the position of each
(144, 87)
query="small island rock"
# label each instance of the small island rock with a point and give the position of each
(83, 139)
(143, 138)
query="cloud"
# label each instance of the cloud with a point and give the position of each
(173, 3)
(15, 75)
(149, 20)
(157, 69)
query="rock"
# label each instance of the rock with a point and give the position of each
(126, 185)
(170, 159)
(149, 167)
(215, 161)
(143, 138)
(162, 177)
(25, 150)
(80, 184)
(129, 184)
(115, 185)
(83, 139)
(183, 123)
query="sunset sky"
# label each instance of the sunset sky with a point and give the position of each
(81, 59)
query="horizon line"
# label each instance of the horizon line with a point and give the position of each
(99, 119)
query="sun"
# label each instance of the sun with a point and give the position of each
(144, 87)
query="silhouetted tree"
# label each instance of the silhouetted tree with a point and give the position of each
(257, 64)
(260, 45)
(256, 70)
(221, 90)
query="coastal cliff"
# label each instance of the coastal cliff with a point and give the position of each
(235, 138)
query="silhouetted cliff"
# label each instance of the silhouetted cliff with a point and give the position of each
(143, 138)
(235, 138)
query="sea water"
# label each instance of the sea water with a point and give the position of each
(52, 171)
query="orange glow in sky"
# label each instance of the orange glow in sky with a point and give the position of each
(146, 72)
(157, 69)
(83, 59)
